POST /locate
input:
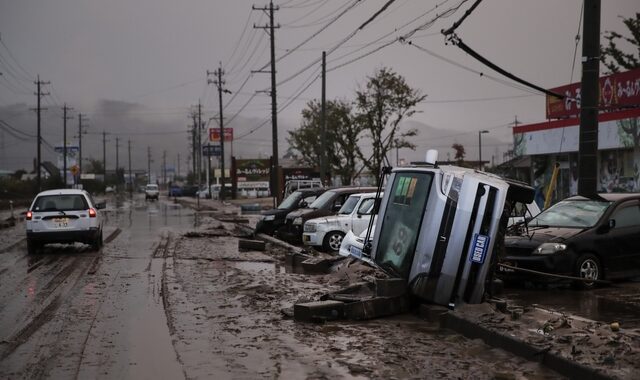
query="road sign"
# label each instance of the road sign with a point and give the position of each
(75, 170)
(211, 150)
(214, 134)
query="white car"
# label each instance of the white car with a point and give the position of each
(327, 232)
(151, 191)
(63, 216)
(353, 244)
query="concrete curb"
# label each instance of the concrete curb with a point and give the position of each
(518, 347)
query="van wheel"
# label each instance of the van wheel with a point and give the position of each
(587, 267)
(332, 241)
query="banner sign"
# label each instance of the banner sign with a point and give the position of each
(211, 150)
(291, 174)
(214, 134)
(253, 170)
(617, 91)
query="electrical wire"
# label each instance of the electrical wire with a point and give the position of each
(237, 44)
(316, 22)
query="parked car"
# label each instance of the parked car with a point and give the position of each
(273, 219)
(189, 190)
(327, 232)
(352, 244)
(175, 191)
(592, 239)
(329, 203)
(215, 192)
(63, 216)
(299, 184)
(151, 191)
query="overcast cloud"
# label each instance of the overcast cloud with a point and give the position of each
(135, 68)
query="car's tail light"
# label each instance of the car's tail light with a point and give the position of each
(92, 213)
(29, 215)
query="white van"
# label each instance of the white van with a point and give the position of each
(437, 228)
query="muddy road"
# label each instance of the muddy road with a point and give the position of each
(159, 301)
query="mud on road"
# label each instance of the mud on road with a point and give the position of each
(225, 311)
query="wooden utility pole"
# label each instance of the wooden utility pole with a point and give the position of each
(275, 180)
(589, 99)
(131, 182)
(323, 121)
(219, 82)
(39, 94)
(64, 141)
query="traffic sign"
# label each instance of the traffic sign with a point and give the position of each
(75, 170)
(211, 150)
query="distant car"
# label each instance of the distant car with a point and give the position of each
(327, 232)
(189, 190)
(329, 203)
(352, 244)
(151, 191)
(592, 239)
(272, 220)
(109, 189)
(175, 191)
(63, 216)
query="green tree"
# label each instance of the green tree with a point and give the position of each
(381, 105)
(342, 138)
(460, 153)
(614, 58)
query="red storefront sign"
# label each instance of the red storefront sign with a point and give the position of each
(214, 134)
(617, 91)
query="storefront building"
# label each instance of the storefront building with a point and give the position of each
(557, 141)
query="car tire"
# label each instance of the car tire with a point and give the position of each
(32, 247)
(332, 241)
(97, 243)
(588, 266)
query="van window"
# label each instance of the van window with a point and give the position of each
(402, 220)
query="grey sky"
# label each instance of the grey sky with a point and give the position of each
(136, 66)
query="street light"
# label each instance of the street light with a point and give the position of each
(480, 148)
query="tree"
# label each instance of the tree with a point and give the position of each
(342, 138)
(95, 166)
(612, 57)
(460, 153)
(381, 105)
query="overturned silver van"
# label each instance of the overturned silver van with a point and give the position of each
(439, 227)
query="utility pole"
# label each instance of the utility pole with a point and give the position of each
(117, 161)
(199, 149)
(164, 168)
(323, 121)
(178, 166)
(274, 103)
(220, 84)
(149, 164)
(64, 140)
(80, 133)
(194, 142)
(588, 143)
(130, 177)
(104, 156)
(39, 94)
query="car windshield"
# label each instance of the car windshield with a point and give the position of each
(349, 205)
(69, 202)
(323, 200)
(290, 201)
(576, 213)
(152, 187)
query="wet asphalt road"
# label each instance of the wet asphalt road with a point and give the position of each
(152, 304)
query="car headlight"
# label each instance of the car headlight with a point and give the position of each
(267, 218)
(297, 220)
(549, 248)
(310, 227)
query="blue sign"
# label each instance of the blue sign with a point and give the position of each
(211, 150)
(479, 248)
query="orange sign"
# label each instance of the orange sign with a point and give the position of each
(75, 170)
(214, 134)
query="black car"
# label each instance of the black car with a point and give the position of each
(327, 204)
(595, 239)
(273, 219)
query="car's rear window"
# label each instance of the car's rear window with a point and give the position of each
(152, 187)
(67, 202)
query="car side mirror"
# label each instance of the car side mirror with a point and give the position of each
(303, 204)
(101, 205)
(612, 223)
(603, 229)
